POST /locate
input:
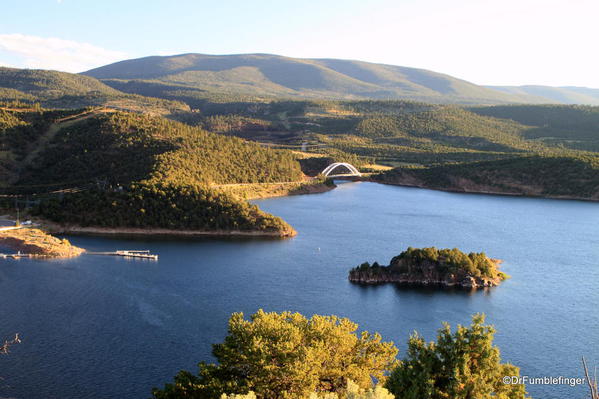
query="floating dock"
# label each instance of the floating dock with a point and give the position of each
(128, 253)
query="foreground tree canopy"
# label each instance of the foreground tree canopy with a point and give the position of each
(460, 365)
(286, 355)
(352, 391)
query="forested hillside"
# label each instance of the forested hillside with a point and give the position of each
(20, 130)
(125, 147)
(512, 144)
(54, 89)
(144, 161)
(136, 170)
(551, 176)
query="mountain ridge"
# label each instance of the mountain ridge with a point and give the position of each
(190, 77)
(274, 75)
(561, 94)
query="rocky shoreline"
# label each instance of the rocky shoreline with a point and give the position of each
(38, 243)
(466, 187)
(421, 271)
(132, 231)
(241, 190)
(430, 280)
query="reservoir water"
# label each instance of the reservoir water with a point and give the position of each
(106, 327)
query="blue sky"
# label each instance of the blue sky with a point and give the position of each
(507, 42)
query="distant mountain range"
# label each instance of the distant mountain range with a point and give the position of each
(273, 75)
(193, 78)
(560, 95)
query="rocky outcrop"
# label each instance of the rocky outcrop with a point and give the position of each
(386, 275)
(406, 270)
(36, 242)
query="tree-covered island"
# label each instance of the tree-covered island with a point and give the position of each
(432, 266)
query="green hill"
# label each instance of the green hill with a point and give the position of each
(115, 169)
(55, 89)
(126, 147)
(45, 83)
(194, 75)
(570, 126)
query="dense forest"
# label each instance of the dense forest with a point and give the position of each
(124, 147)
(449, 261)
(21, 126)
(180, 207)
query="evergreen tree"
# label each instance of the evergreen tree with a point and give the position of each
(460, 365)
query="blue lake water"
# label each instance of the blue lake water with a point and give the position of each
(103, 327)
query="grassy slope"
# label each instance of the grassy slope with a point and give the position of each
(272, 75)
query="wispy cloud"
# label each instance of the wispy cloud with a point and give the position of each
(53, 53)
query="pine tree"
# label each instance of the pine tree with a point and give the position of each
(460, 365)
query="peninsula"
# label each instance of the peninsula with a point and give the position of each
(37, 243)
(432, 266)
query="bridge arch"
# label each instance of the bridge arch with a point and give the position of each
(352, 169)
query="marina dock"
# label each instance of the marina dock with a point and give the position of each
(145, 254)
(126, 253)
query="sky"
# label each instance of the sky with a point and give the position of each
(490, 42)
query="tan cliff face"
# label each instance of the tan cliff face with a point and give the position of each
(36, 242)
(426, 274)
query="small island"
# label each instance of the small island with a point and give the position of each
(36, 243)
(432, 266)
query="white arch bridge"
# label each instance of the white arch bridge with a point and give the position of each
(352, 170)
